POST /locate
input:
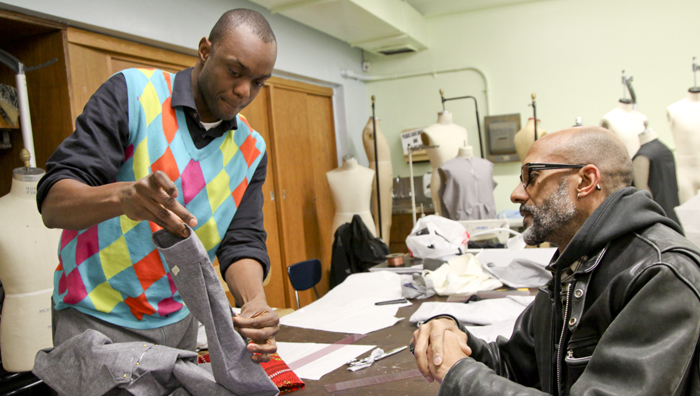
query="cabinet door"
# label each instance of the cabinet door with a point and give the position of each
(257, 114)
(304, 145)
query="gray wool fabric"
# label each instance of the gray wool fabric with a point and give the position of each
(201, 290)
(90, 364)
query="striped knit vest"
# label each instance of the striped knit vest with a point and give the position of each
(112, 271)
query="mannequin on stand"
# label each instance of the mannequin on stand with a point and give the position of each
(27, 263)
(351, 185)
(448, 138)
(684, 117)
(627, 123)
(386, 175)
(655, 171)
(526, 136)
(467, 187)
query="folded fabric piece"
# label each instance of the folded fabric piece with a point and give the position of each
(461, 275)
(197, 283)
(484, 312)
(277, 370)
(521, 273)
(416, 287)
(90, 364)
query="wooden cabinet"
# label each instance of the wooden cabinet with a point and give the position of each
(296, 120)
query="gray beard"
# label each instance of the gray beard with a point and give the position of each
(554, 215)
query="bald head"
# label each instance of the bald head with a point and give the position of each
(233, 19)
(592, 145)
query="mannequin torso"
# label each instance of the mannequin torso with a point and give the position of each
(467, 187)
(625, 122)
(526, 136)
(351, 185)
(684, 118)
(386, 175)
(27, 262)
(449, 138)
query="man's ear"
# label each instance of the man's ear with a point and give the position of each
(589, 181)
(204, 49)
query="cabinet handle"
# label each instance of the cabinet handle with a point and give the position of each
(272, 195)
(284, 194)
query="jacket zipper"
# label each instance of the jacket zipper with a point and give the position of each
(560, 356)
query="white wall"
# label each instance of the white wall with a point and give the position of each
(570, 52)
(303, 53)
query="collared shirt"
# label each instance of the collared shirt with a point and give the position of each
(95, 152)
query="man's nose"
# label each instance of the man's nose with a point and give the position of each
(519, 195)
(242, 89)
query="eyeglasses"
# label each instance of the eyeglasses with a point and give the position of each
(526, 170)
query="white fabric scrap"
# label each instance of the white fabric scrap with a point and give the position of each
(484, 312)
(461, 275)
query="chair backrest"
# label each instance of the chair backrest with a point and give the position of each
(305, 274)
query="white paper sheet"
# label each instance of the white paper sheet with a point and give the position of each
(349, 307)
(491, 332)
(293, 351)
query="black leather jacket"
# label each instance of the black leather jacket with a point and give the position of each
(631, 315)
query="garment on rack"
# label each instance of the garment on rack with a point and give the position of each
(466, 192)
(355, 249)
(662, 176)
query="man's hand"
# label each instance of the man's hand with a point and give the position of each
(153, 198)
(260, 323)
(429, 345)
(454, 349)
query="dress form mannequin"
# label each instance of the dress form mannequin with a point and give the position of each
(641, 163)
(386, 175)
(351, 185)
(526, 136)
(466, 152)
(655, 171)
(449, 138)
(684, 117)
(27, 263)
(625, 122)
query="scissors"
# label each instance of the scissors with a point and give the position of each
(377, 354)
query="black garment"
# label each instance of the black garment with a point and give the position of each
(662, 176)
(355, 249)
(94, 153)
(629, 324)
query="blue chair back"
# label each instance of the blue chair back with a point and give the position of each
(305, 274)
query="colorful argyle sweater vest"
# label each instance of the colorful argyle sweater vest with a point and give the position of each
(112, 271)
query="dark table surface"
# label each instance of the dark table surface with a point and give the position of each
(387, 339)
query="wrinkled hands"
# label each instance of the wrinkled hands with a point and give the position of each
(259, 323)
(438, 345)
(153, 198)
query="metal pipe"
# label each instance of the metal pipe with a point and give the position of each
(361, 77)
(376, 170)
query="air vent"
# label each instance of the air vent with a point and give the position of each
(398, 50)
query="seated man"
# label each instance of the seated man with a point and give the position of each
(622, 313)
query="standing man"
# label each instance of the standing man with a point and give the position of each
(621, 315)
(155, 150)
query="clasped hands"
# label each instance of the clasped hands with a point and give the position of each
(438, 345)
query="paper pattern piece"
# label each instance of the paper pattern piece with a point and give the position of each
(349, 307)
(293, 351)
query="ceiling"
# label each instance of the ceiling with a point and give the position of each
(379, 26)
(430, 8)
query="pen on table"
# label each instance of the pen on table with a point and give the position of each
(399, 301)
